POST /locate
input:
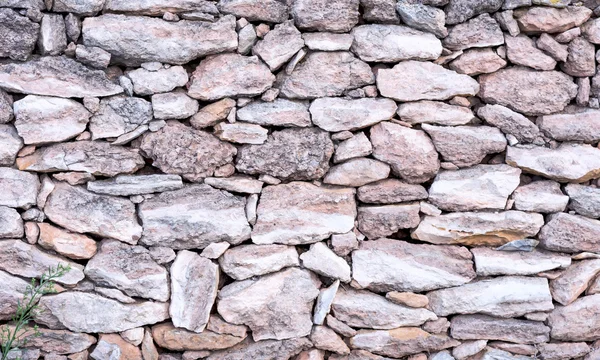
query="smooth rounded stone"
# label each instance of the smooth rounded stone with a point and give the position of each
(509, 122)
(323, 15)
(54, 341)
(273, 11)
(357, 172)
(401, 342)
(570, 233)
(118, 115)
(289, 154)
(478, 228)
(147, 82)
(173, 105)
(577, 321)
(26, 260)
(528, 91)
(267, 349)
(395, 265)
(55, 76)
(458, 11)
(585, 200)
(506, 296)
(71, 245)
(423, 17)
(480, 32)
(130, 269)
(574, 124)
(568, 163)
(179, 149)
(6, 107)
(281, 306)
(521, 50)
(540, 196)
(550, 20)
(323, 74)
(390, 191)
(18, 189)
(133, 40)
(245, 261)
(410, 152)
(490, 262)
(476, 327)
(357, 146)
(321, 260)
(561, 351)
(241, 133)
(407, 298)
(78, 210)
(240, 184)
(225, 75)
(11, 224)
(434, 112)
(279, 45)
(423, 81)
(338, 114)
(90, 313)
(170, 337)
(364, 309)
(11, 294)
(580, 61)
(381, 221)
(393, 43)
(302, 213)
(212, 113)
(128, 185)
(326, 41)
(194, 285)
(201, 214)
(19, 35)
(326, 339)
(479, 187)
(281, 112)
(466, 145)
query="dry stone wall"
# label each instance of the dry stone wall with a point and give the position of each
(302, 179)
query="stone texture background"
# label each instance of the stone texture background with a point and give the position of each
(303, 179)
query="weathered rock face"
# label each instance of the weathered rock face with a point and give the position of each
(458, 11)
(323, 261)
(269, 10)
(19, 188)
(482, 31)
(574, 280)
(381, 221)
(577, 321)
(126, 185)
(159, 7)
(509, 122)
(169, 337)
(540, 196)
(570, 233)
(400, 342)
(119, 115)
(577, 124)
(147, 82)
(334, 16)
(71, 245)
(357, 172)
(10, 144)
(11, 294)
(489, 262)
(280, 112)
(434, 112)
(585, 200)
(551, 20)
(202, 214)
(390, 191)
(246, 261)
(279, 45)
(478, 61)
(277, 349)
(336, 114)
(11, 225)
(19, 35)
(468, 327)
(521, 50)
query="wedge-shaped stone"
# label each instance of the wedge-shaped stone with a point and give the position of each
(78, 210)
(410, 152)
(55, 76)
(539, 19)
(490, 262)
(201, 214)
(11, 294)
(194, 285)
(585, 200)
(483, 228)
(390, 191)
(10, 144)
(528, 91)
(281, 112)
(434, 112)
(323, 261)
(423, 81)
(273, 11)
(94, 157)
(381, 221)
(357, 146)
(364, 309)
(578, 321)
(476, 188)
(323, 74)
(241, 133)
(394, 265)
(476, 327)
(279, 45)
(325, 15)
(18, 189)
(245, 261)
(575, 124)
(19, 35)
(263, 350)
(147, 82)
(567, 163)
(127, 185)
(570, 233)
(357, 172)
(508, 296)
(542, 196)
(480, 32)
(400, 342)
(509, 122)
(459, 11)
(289, 154)
(225, 75)
(11, 224)
(423, 17)
(90, 313)
(173, 338)
(393, 43)
(574, 280)
(302, 213)
(133, 40)
(71, 245)
(159, 7)
(239, 184)
(521, 50)
(26, 260)
(118, 115)
(466, 145)
(281, 305)
(338, 114)
(130, 269)
(179, 149)
(54, 341)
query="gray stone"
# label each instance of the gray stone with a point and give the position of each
(380, 221)
(10, 144)
(585, 200)
(93, 56)
(489, 262)
(509, 122)
(322, 15)
(18, 188)
(574, 124)
(521, 50)
(478, 61)
(357, 172)
(550, 20)
(160, 7)
(540, 196)
(147, 82)
(580, 61)
(127, 185)
(326, 41)
(338, 114)
(577, 321)
(400, 342)
(11, 224)
(11, 294)
(84, 8)
(458, 11)
(263, 350)
(474, 327)
(53, 35)
(357, 146)
(118, 115)
(6, 104)
(246, 39)
(434, 112)
(390, 191)
(519, 245)
(570, 233)
(245, 261)
(253, 10)
(279, 45)
(19, 35)
(173, 105)
(281, 112)
(379, 11)
(423, 17)
(321, 260)
(482, 31)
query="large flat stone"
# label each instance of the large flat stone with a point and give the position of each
(281, 112)
(578, 321)
(325, 15)
(400, 342)
(263, 350)
(127, 185)
(490, 262)
(18, 189)
(381, 221)
(475, 327)
(570, 233)
(539, 19)
(173, 338)
(245, 261)
(133, 40)
(574, 280)
(575, 124)
(338, 114)
(434, 112)
(118, 115)
(159, 7)
(201, 214)
(272, 11)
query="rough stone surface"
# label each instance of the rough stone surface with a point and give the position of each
(126, 185)
(19, 35)
(279, 45)
(570, 233)
(381, 221)
(325, 262)
(246, 261)
(521, 50)
(551, 20)
(119, 115)
(401, 341)
(18, 188)
(469, 327)
(357, 172)
(337, 114)
(252, 10)
(577, 321)
(574, 280)
(585, 200)
(489, 262)
(540, 196)
(390, 191)
(321, 15)
(147, 82)
(172, 338)
(71, 245)
(575, 124)
(509, 122)
(478, 61)
(482, 31)
(434, 112)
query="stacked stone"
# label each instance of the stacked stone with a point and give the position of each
(302, 179)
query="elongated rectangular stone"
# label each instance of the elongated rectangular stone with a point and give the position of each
(127, 185)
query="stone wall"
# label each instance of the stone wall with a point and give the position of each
(302, 179)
